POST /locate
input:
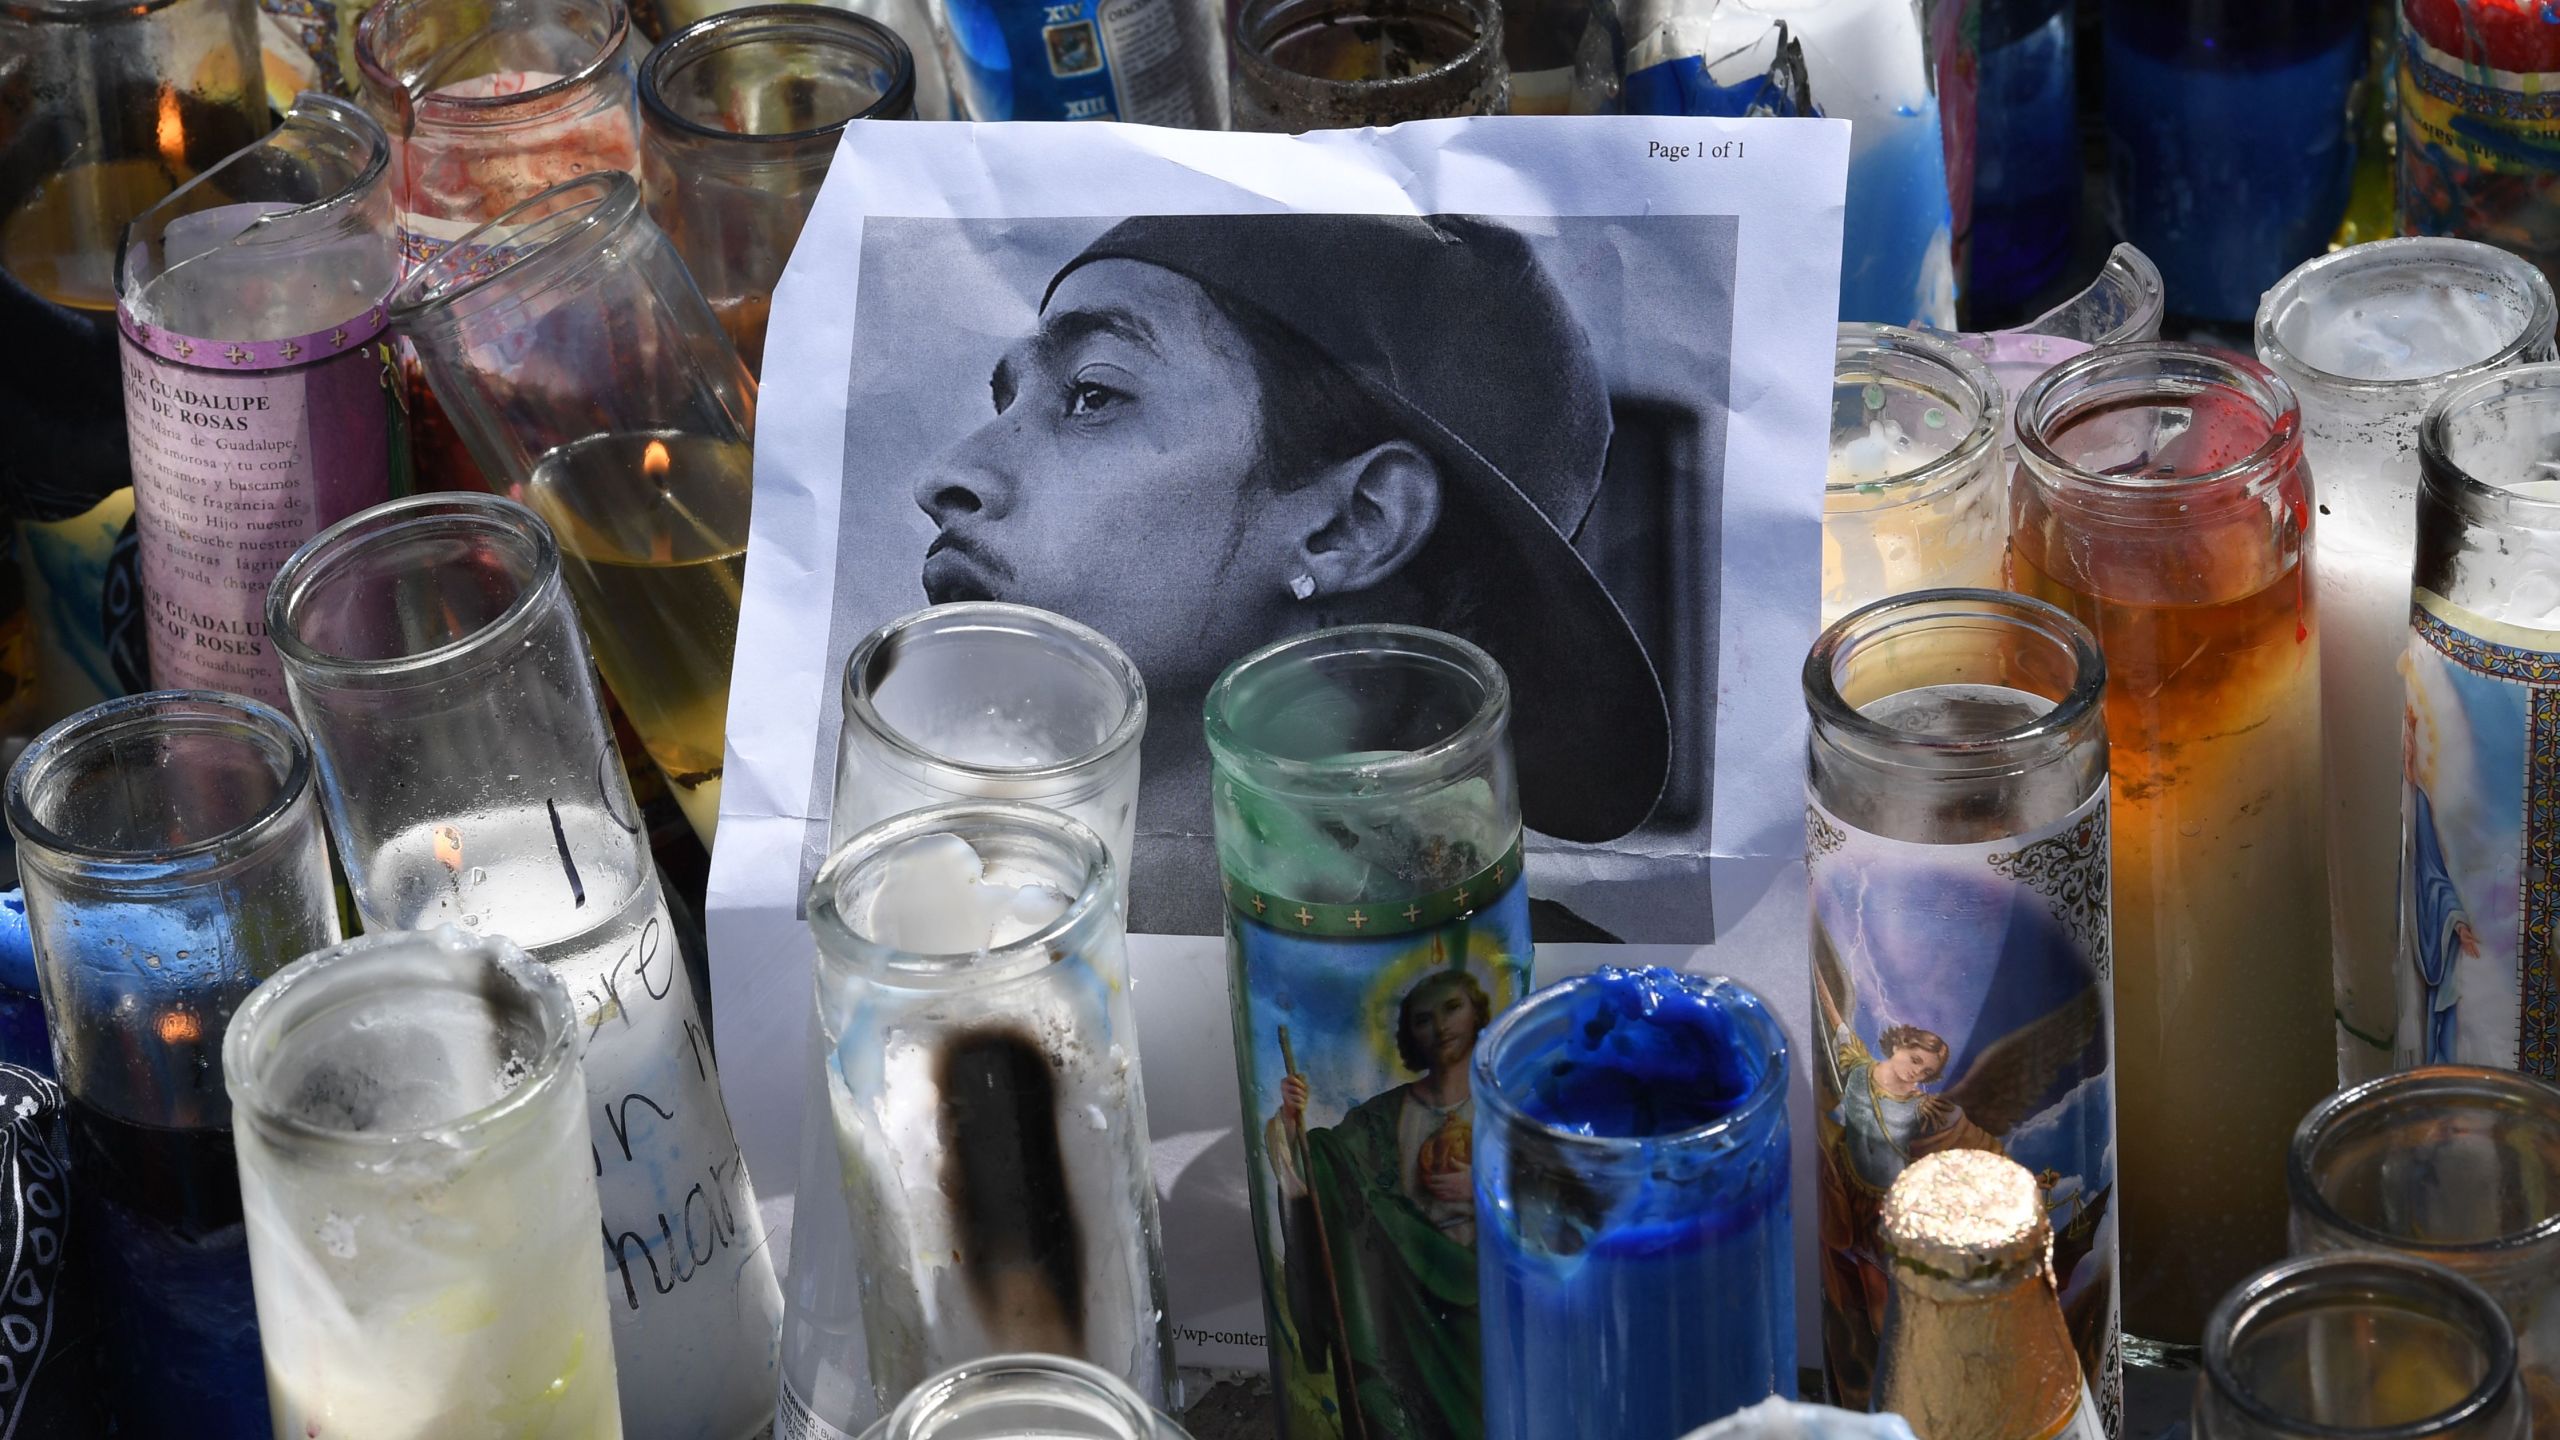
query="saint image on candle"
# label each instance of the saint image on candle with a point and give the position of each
(2438, 925)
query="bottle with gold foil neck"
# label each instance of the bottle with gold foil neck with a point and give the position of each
(1975, 1347)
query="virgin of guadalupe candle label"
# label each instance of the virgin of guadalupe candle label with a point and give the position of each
(242, 450)
(1355, 1026)
(1962, 992)
(2479, 825)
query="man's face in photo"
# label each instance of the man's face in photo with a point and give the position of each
(1135, 397)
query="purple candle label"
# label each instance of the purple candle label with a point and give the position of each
(1355, 1027)
(1962, 999)
(243, 450)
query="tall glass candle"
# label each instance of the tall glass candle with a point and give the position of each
(590, 380)
(982, 1082)
(1368, 825)
(2027, 174)
(420, 1194)
(2480, 738)
(104, 109)
(1342, 64)
(2359, 1347)
(2162, 500)
(1635, 1259)
(171, 849)
(2451, 1164)
(252, 309)
(2367, 337)
(1914, 498)
(470, 779)
(1961, 941)
(2478, 110)
(1025, 1397)
(739, 116)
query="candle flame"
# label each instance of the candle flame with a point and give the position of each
(180, 1027)
(449, 848)
(171, 132)
(654, 464)
(654, 461)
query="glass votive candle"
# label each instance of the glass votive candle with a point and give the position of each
(1913, 499)
(1342, 64)
(1024, 1397)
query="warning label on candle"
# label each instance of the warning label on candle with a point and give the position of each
(241, 452)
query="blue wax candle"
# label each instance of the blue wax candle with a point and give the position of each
(1635, 1259)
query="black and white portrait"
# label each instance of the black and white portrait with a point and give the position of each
(1200, 434)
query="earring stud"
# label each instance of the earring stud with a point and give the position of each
(1302, 585)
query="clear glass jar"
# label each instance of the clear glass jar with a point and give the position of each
(2474, 106)
(1957, 849)
(982, 1083)
(104, 109)
(1342, 64)
(2367, 337)
(590, 380)
(171, 849)
(2161, 499)
(1915, 498)
(1368, 826)
(2345, 1347)
(1024, 1397)
(252, 307)
(488, 105)
(2451, 1164)
(413, 1148)
(470, 779)
(1636, 1257)
(739, 116)
(2121, 305)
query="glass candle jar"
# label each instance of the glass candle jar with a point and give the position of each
(1024, 1397)
(2026, 183)
(2367, 337)
(420, 1194)
(2359, 1347)
(1958, 854)
(2476, 108)
(1636, 1262)
(591, 381)
(2161, 499)
(470, 779)
(1914, 498)
(1368, 827)
(252, 306)
(2478, 900)
(739, 116)
(2455, 1165)
(983, 1087)
(1342, 64)
(171, 849)
(104, 109)
(488, 105)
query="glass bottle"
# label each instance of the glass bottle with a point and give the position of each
(2477, 113)
(1147, 62)
(1636, 1260)
(2027, 174)
(1975, 1343)
(2367, 337)
(2477, 899)
(1024, 1397)
(421, 1202)
(976, 700)
(2161, 499)
(170, 845)
(1914, 497)
(1957, 814)
(489, 103)
(739, 116)
(2452, 1164)
(2231, 131)
(1342, 64)
(469, 779)
(982, 1085)
(590, 380)
(2339, 1347)
(1368, 826)
(252, 301)
(104, 109)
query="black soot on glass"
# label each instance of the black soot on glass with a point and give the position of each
(1005, 1172)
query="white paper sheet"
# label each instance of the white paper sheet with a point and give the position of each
(930, 252)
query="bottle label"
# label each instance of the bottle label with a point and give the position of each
(1962, 994)
(794, 1420)
(1149, 62)
(242, 450)
(2476, 147)
(2479, 822)
(1355, 1025)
